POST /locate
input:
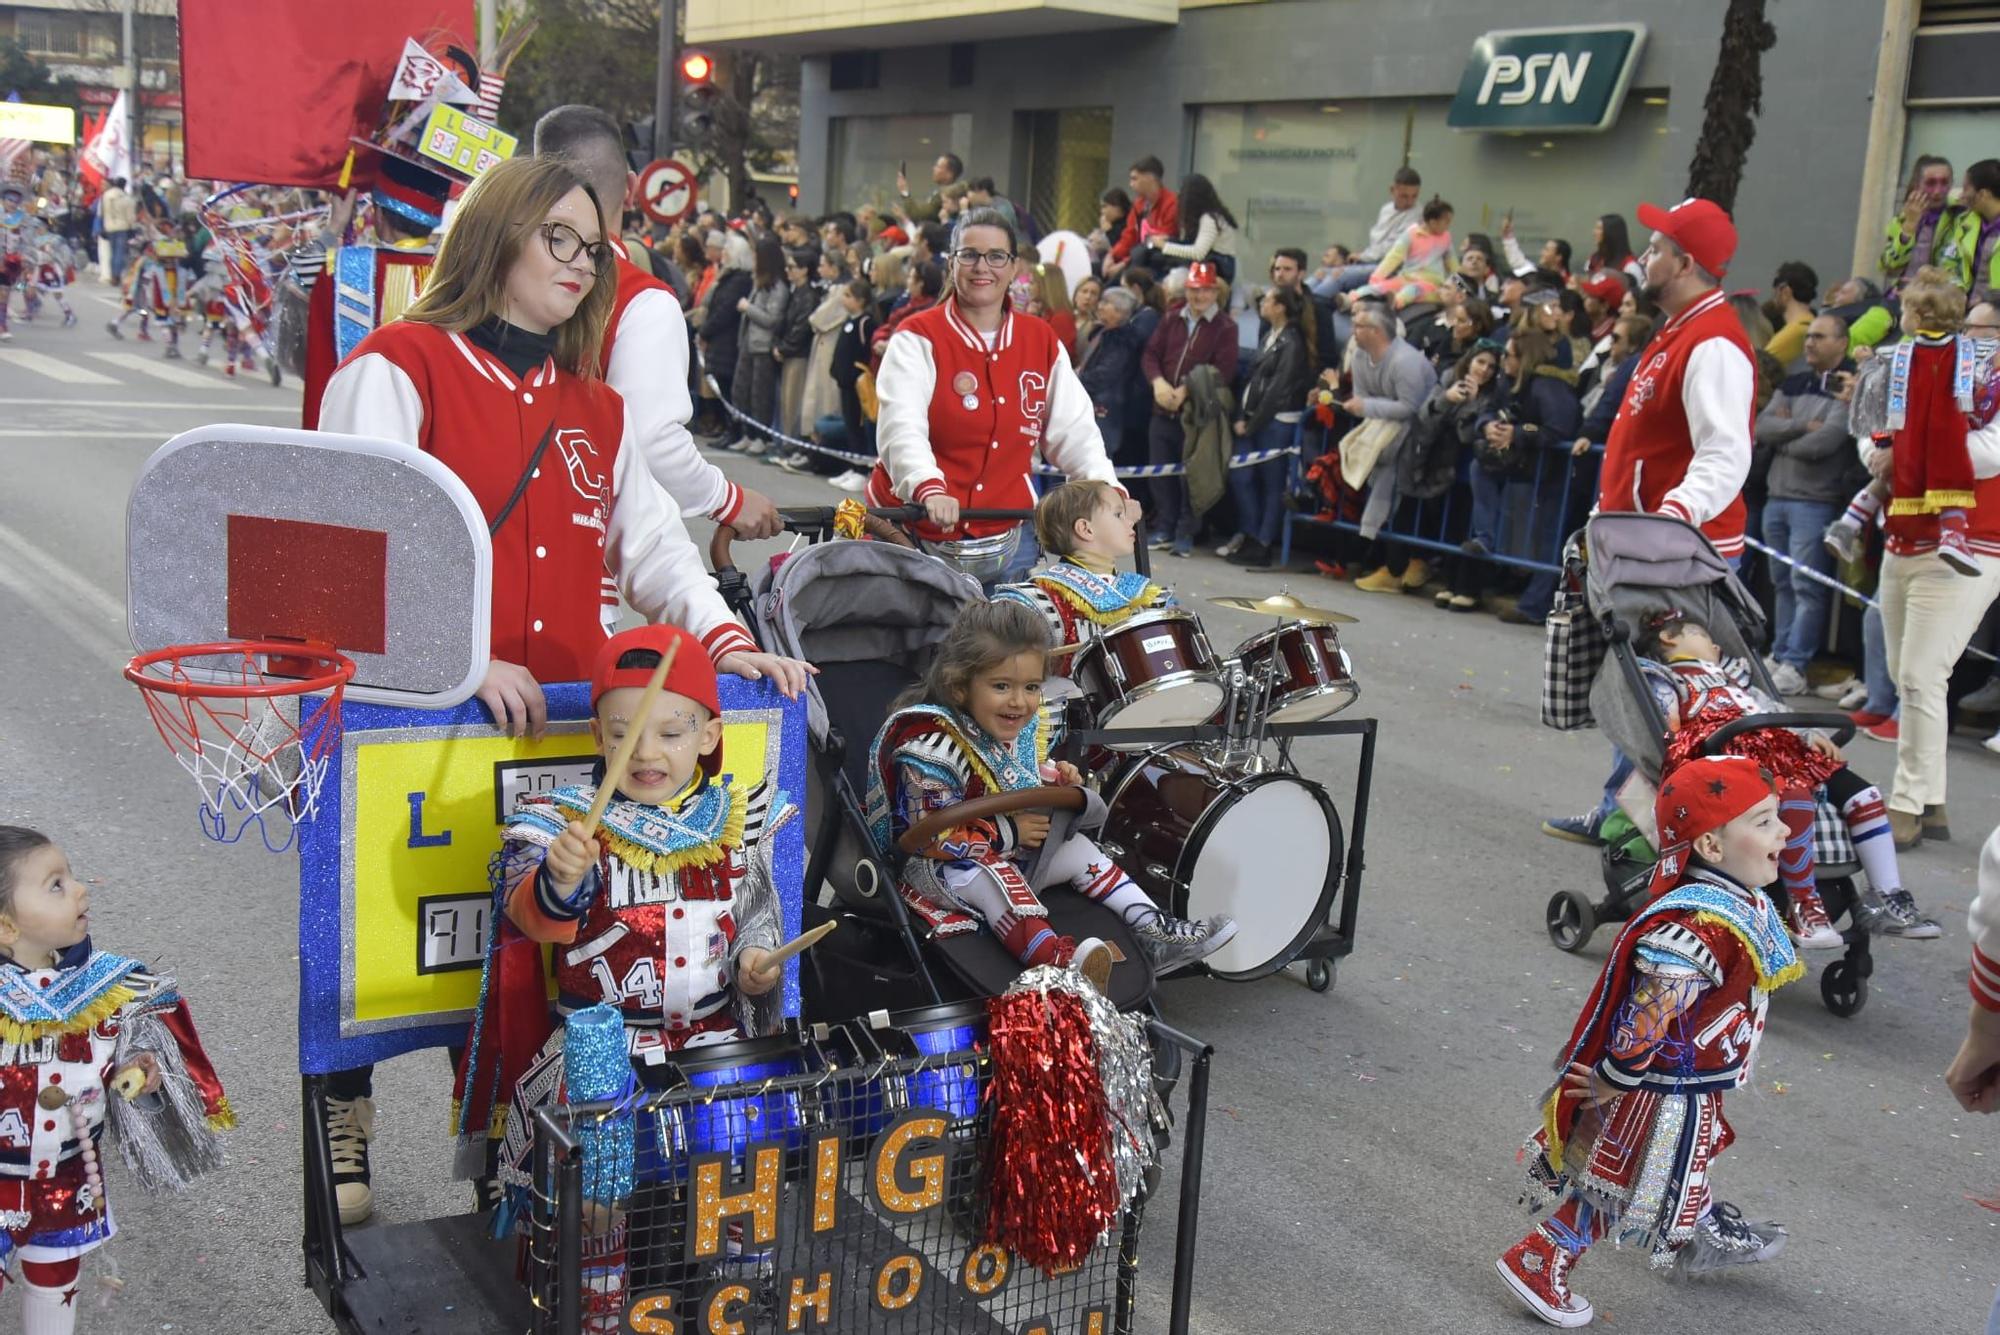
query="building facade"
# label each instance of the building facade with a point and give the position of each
(1300, 110)
(83, 40)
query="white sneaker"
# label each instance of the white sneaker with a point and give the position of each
(1836, 690)
(1230, 548)
(1854, 697)
(1788, 680)
(1992, 743)
(852, 480)
(350, 1125)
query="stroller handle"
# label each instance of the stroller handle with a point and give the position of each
(919, 837)
(1839, 726)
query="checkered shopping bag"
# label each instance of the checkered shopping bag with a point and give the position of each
(1573, 649)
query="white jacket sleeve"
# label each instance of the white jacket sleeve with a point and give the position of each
(1983, 921)
(1197, 249)
(903, 388)
(1071, 441)
(1517, 259)
(1982, 447)
(1717, 389)
(649, 369)
(372, 396)
(658, 570)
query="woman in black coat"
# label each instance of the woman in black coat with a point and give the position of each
(1274, 403)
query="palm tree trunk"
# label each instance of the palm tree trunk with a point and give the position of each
(1735, 97)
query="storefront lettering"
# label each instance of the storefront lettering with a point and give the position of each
(1565, 78)
(1347, 153)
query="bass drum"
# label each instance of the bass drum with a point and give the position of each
(1200, 836)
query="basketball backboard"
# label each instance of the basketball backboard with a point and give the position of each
(368, 547)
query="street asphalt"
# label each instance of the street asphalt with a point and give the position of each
(1361, 1171)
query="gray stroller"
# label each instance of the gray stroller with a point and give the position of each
(1625, 568)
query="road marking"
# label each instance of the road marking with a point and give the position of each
(159, 370)
(151, 404)
(54, 368)
(81, 589)
(68, 601)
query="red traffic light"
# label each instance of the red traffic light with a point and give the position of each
(696, 67)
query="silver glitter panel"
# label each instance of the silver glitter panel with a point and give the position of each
(438, 609)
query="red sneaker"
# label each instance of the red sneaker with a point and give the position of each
(1537, 1270)
(1331, 569)
(1863, 719)
(1952, 547)
(1811, 928)
(1885, 731)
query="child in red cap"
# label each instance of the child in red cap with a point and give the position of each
(1629, 1130)
(667, 912)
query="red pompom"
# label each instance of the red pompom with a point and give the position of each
(1054, 1189)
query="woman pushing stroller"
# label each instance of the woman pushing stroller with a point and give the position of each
(1699, 691)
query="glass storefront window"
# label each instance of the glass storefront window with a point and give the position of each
(1962, 134)
(866, 150)
(1309, 173)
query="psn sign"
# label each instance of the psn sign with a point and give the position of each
(1547, 78)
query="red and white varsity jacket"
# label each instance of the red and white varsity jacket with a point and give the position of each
(1680, 444)
(963, 419)
(645, 358)
(592, 522)
(1983, 921)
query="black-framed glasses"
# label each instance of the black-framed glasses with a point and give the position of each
(565, 243)
(992, 259)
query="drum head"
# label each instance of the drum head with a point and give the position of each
(1266, 860)
(1166, 704)
(1325, 703)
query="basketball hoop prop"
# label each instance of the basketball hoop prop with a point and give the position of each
(237, 718)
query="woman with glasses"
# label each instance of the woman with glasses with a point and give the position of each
(970, 394)
(494, 371)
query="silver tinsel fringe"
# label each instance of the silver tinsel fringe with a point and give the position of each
(164, 1137)
(1124, 1062)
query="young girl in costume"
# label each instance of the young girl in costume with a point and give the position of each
(1630, 1129)
(1699, 691)
(667, 913)
(85, 1036)
(978, 727)
(1088, 527)
(1941, 387)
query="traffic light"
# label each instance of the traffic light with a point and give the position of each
(699, 96)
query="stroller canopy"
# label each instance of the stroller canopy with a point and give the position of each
(1642, 564)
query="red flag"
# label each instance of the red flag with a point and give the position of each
(276, 99)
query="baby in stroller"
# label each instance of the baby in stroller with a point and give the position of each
(1698, 691)
(977, 726)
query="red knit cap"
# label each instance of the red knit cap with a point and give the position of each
(1703, 795)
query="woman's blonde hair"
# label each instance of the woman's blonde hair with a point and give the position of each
(887, 271)
(500, 215)
(1933, 303)
(1052, 285)
(984, 634)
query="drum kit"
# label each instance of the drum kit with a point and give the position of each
(1204, 813)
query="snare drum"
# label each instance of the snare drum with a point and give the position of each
(1311, 678)
(1152, 671)
(726, 1123)
(1202, 836)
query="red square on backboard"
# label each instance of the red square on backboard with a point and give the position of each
(315, 583)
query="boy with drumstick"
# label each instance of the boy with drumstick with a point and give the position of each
(1089, 527)
(659, 901)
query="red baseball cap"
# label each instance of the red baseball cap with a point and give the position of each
(1606, 286)
(1702, 795)
(692, 674)
(1202, 274)
(1701, 227)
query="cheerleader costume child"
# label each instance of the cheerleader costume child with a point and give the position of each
(87, 1039)
(980, 728)
(1630, 1130)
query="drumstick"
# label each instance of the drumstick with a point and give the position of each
(798, 945)
(621, 759)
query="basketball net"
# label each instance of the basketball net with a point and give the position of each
(252, 741)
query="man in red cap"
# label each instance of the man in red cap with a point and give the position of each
(1199, 332)
(1680, 444)
(1629, 1130)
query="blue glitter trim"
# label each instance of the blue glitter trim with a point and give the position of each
(75, 989)
(428, 221)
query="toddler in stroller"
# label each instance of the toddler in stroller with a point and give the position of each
(1698, 691)
(979, 727)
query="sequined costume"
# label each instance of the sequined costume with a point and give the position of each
(63, 1032)
(1077, 601)
(1703, 696)
(926, 759)
(655, 930)
(1672, 1023)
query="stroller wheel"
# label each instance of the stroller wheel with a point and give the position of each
(1571, 919)
(1319, 975)
(1843, 988)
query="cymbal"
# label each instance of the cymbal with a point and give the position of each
(1288, 606)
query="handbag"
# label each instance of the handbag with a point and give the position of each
(1361, 447)
(1574, 646)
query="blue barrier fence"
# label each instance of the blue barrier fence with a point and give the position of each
(1530, 514)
